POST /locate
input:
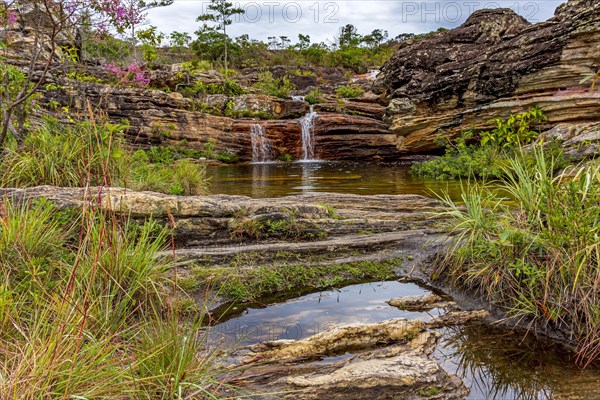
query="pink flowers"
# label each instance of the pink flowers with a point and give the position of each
(132, 75)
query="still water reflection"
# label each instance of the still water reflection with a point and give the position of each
(494, 364)
(278, 179)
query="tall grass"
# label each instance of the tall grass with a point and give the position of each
(59, 155)
(94, 154)
(89, 319)
(530, 243)
(86, 309)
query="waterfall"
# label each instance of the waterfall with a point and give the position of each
(261, 145)
(298, 98)
(308, 134)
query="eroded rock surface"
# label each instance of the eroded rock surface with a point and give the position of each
(419, 303)
(386, 360)
(493, 65)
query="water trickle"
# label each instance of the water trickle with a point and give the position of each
(261, 145)
(298, 98)
(308, 134)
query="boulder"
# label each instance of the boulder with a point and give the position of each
(493, 65)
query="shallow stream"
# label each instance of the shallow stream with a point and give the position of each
(494, 364)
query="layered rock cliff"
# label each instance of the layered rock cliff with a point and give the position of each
(344, 131)
(495, 64)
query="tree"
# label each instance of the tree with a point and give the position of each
(375, 38)
(220, 13)
(150, 39)
(303, 42)
(48, 22)
(179, 41)
(349, 37)
(137, 9)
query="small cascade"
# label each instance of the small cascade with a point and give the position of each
(261, 145)
(298, 98)
(308, 134)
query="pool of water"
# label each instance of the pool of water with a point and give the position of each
(280, 179)
(493, 363)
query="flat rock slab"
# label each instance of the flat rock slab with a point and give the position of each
(424, 302)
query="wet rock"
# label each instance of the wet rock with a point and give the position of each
(457, 318)
(339, 340)
(419, 303)
(402, 377)
(396, 371)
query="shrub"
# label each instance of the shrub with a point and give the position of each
(228, 87)
(486, 157)
(349, 92)
(281, 87)
(314, 96)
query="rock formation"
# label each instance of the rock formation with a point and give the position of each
(495, 64)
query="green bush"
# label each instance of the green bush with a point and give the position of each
(314, 96)
(349, 92)
(272, 86)
(228, 87)
(485, 154)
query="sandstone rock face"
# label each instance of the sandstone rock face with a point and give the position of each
(354, 131)
(493, 65)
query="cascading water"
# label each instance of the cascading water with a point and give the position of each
(261, 145)
(308, 134)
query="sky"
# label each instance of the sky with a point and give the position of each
(323, 19)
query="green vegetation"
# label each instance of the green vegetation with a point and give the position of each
(331, 211)
(228, 87)
(284, 227)
(243, 284)
(486, 154)
(86, 154)
(278, 87)
(314, 96)
(83, 310)
(349, 92)
(286, 158)
(537, 255)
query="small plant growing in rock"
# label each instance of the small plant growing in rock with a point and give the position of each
(349, 92)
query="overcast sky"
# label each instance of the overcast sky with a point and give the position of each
(322, 19)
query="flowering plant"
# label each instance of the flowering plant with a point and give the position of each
(133, 74)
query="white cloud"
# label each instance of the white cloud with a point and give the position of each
(322, 19)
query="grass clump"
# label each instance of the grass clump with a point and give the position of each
(83, 311)
(182, 177)
(538, 255)
(284, 227)
(60, 155)
(88, 154)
